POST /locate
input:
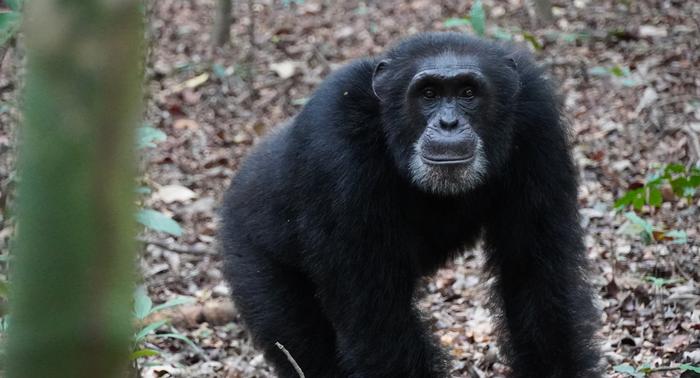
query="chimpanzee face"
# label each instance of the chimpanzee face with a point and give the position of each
(449, 109)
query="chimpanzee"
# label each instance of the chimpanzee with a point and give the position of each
(393, 167)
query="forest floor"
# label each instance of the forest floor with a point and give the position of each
(630, 80)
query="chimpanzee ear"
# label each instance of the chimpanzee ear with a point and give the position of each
(512, 62)
(380, 78)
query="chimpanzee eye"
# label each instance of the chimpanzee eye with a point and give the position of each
(429, 93)
(467, 93)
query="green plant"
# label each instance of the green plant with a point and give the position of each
(659, 282)
(10, 20)
(476, 19)
(637, 226)
(143, 307)
(146, 137)
(683, 181)
(622, 74)
(646, 369)
(287, 3)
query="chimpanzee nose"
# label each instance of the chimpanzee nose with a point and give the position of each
(448, 123)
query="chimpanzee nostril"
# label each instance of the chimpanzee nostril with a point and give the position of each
(448, 123)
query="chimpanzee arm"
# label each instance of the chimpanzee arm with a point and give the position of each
(368, 296)
(535, 249)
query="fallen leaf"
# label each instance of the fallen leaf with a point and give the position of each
(648, 98)
(191, 83)
(652, 31)
(174, 193)
(285, 69)
(185, 123)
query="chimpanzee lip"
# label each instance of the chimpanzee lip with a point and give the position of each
(447, 161)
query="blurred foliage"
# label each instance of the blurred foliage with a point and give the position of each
(638, 226)
(10, 20)
(619, 73)
(158, 221)
(645, 369)
(477, 21)
(671, 181)
(143, 308)
(146, 137)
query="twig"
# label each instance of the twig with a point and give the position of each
(291, 359)
(176, 249)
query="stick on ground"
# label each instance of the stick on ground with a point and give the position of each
(291, 359)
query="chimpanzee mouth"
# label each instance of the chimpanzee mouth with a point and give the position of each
(447, 160)
(448, 173)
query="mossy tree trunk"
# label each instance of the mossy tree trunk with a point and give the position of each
(72, 273)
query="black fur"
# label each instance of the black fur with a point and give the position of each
(325, 236)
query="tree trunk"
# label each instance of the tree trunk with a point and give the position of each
(72, 272)
(223, 21)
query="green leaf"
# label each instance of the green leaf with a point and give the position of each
(694, 369)
(573, 37)
(501, 34)
(172, 303)
(219, 71)
(9, 25)
(619, 71)
(478, 18)
(452, 22)
(679, 184)
(147, 136)
(598, 71)
(645, 368)
(627, 369)
(635, 219)
(638, 202)
(145, 352)
(15, 5)
(694, 180)
(143, 190)
(533, 40)
(158, 221)
(654, 179)
(140, 335)
(627, 198)
(179, 336)
(142, 303)
(678, 236)
(658, 281)
(674, 168)
(655, 197)
(300, 101)
(4, 289)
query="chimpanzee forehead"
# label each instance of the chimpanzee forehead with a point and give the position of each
(449, 60)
